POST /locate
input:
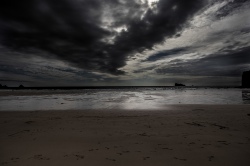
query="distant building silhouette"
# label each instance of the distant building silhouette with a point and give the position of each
(176, 84)
(246, 79)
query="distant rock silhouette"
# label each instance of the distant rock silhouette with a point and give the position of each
(3, 86)
(176, 84)
(246, 79)
(21, 86)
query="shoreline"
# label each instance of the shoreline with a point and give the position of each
(175, 135)
(160, 109)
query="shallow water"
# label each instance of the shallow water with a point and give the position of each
(140, 98)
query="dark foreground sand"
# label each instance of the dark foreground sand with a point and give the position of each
(178, 135)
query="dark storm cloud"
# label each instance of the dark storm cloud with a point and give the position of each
(224, 64)
(60, 28)
(73, 32)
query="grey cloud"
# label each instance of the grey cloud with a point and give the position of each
(223, 64)
(230, 7)
(167, 53)
(143, 70)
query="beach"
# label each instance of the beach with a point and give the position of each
(174, 135)
(125, 83)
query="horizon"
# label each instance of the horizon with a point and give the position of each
(112, 87)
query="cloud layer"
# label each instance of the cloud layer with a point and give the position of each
(122, 40)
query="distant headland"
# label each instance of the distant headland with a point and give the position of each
(246, 79)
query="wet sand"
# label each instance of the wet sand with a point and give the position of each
(177, 135)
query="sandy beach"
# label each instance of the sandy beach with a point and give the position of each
(176, 135)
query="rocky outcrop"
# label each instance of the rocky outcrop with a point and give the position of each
(246, 79)
(3, 86)
(176, 84)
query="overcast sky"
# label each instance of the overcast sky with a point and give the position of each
(124, 42)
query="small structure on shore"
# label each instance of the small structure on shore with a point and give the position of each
(177, 84)
(246, 79)
(21, 86)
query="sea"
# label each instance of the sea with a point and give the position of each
(117, 98)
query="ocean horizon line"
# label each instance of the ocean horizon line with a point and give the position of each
(115, 87)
